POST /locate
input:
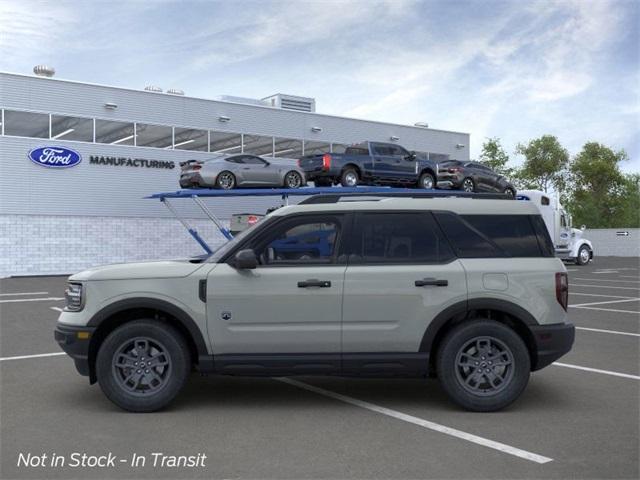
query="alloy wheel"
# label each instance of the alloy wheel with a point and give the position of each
(467, 185)
(141, 366)
(484, 366)
(226, 180)
(293, 180)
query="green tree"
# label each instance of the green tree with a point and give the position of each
(545, 164)
(601, 196)
(495, 157)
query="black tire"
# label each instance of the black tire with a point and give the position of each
(427, 181)
(293, 180)
(226, 180)
(154, 389)
(584, 255)
(509, 191)
(468, 185)
(349, 177)
(479, 395)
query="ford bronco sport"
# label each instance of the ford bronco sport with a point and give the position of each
(465, 289)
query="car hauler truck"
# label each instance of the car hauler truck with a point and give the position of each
(568, 241)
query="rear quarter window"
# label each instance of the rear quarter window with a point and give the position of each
(467, 241)
(514, 234)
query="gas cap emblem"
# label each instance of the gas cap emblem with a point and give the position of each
(225, 315)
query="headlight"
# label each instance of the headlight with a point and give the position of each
(73, 297)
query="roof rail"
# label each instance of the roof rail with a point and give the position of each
(377, 196)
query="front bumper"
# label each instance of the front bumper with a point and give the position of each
(74, 340)
(552, 342)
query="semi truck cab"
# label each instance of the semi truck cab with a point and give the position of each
(568, 241)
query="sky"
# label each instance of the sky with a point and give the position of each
(513, 70)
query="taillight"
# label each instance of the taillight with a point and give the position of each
(299, 162)
(326, 161)
(196, 167)
(454, 170)
(562, 289)
(252, 219)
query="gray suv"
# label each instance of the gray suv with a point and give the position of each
(465, 289)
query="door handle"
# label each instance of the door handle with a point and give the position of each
(426, 282)
(314, 283)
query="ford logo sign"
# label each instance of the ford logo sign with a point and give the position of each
(55, 157)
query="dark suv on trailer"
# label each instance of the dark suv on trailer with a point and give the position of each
(472, 177)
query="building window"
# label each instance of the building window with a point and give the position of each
(287, 148)
(114, 133)
(438, 157)
(190, 139)
(225, 142)
(158, 136)
(71, 128)
(26, 124)
(258, 145)
(315, 148)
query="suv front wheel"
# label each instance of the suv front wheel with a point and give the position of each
(142, 365)
(483, 365)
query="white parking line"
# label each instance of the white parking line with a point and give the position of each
(605, 272)
(597, 370)
(48, 299)
(24, 357)
(604, 302)
(608, 331)
(485, 442)
(609, 310)
(57, 309)
(628, 276)
(604, 286)
(23, 293)
(607, 280)
(597, 295)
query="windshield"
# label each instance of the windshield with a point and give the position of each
(228, 246)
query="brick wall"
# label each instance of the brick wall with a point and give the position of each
(43, 245)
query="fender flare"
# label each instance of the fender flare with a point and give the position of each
(156, 304)
(460, 310)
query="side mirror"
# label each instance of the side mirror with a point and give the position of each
(412, 156)
(245, 260)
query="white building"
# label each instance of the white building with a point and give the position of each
(60, 220)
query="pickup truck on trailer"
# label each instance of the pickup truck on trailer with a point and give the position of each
(371, 163)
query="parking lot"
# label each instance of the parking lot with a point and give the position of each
(578, 418)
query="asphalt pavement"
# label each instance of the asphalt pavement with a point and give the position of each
(578, 418)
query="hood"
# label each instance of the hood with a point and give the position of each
(140, 270)
(576, 233)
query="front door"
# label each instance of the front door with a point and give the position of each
(401, 275)
(290, 304)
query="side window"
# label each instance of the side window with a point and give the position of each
(466, 241)
(235, 160)
(512, 233)
(544, 240)
(250, 159)
(302, 242)
(381, 149)
(398, 238)
(398, 151)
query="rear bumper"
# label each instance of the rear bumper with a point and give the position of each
(74, 345)
(190, 180)
(552, 342)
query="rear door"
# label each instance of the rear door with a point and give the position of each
(383, 161)
(401, 274)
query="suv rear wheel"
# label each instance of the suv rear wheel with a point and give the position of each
(483, 365)
(142, 365)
